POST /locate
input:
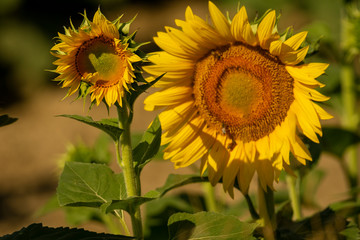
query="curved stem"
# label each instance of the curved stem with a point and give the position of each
(132, 182)
(267, 211)
(252, 210)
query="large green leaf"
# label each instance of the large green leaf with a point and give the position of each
(210, 226)
(87, 184)
(6, 120)
(38, 232)
(148, 146)
(337, 140)
(109, 126)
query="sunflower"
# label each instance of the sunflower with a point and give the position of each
(235, 95)
(95, 54)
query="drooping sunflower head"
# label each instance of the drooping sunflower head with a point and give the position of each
(235, 95)
(98, 54)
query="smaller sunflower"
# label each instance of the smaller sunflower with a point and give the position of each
(98, 54)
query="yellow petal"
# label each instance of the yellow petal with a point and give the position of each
(295, 41)
(275, 47)
(172, 117)
(265, 29)
(303, 123)
(186, 43)
(238, 23)
(314, 70)
(217, 160)
(299, 149)
(232, 168)
(189, 14)
(293, 58)
(300, 74)
(170, 96)
(165, 42)
(221, 24)
(245, 174)
(322, 113)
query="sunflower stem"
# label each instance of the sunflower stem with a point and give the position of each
(293, 184)
(254, 214)
(267, 211)
(132, 180)
(209, 195)
(350, 118)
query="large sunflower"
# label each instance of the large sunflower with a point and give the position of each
(235, 95)
(95, 54)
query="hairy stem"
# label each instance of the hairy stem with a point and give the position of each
(132, 182)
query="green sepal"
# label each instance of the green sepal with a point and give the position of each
(109, 126)
(124, 28)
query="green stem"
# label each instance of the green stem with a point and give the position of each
(350, 120)
(252, 210)
(293, 184)
(209, 195)
(132, 182)
(267, 211)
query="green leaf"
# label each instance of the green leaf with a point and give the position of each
(128, 204)
(172, 182)
(109, 126)
(352, 232)
(148, 146)
(159, 211)
(210, 226)
(178, 180)
(86, 184)
(6, 120)
(38, 232)
(337, 140)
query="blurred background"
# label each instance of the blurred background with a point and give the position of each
(31, 147)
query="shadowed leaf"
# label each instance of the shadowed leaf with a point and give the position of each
(210, 226)
(38, 232)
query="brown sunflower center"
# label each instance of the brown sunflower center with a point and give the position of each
(101, 58)
(242, 91)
